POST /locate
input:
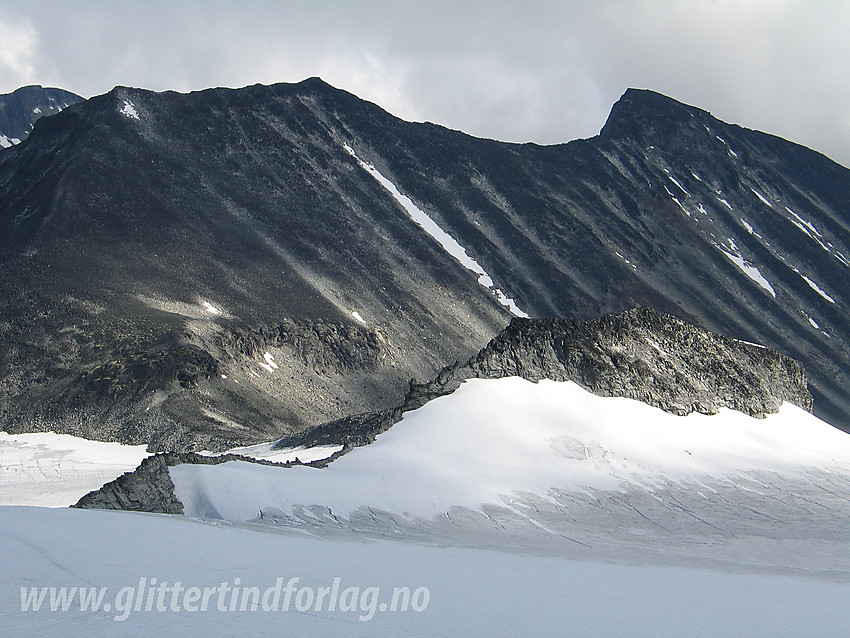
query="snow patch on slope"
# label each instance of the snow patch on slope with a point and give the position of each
(817, 289)
(750, 271)
(678, 203)
(809, 229)
(812, 284)
(761, 197)
(448, 243)
(6, 142)
(726, 144)
(211, 308)
(681, 188)
(129, 110)
(749, 228)
(625, 259)
(269, 364)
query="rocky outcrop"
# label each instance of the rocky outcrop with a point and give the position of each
(328, 347)
(351, 431)
(649, 356)
(149, 488)
(638, 354)
(185, 363)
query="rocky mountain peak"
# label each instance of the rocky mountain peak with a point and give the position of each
(646, 116)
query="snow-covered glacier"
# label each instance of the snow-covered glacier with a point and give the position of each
(551, 467)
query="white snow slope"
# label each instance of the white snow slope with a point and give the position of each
(494, 439)
(555, 469)
(519, 506)
(55, 470)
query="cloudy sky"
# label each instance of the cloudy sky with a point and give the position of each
(532, 70)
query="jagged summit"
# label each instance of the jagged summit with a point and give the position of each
(317, 83)
(654, 119)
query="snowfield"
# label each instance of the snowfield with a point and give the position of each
(55, 470)
(750, 271)
(473, 592)
(492, 440)
(514, 504)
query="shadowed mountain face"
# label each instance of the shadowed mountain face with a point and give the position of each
(230, 266)
(20, 109)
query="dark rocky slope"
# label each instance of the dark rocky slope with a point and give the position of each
(149, 265)
(640, 354)
(128, 220)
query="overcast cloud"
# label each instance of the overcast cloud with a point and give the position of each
(519, 71)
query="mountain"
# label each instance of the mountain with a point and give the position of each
(20, 109)
(199, 271)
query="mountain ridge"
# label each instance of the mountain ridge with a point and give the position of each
(247, 201)
(638, 354)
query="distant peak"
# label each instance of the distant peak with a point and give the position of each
(37, 89)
